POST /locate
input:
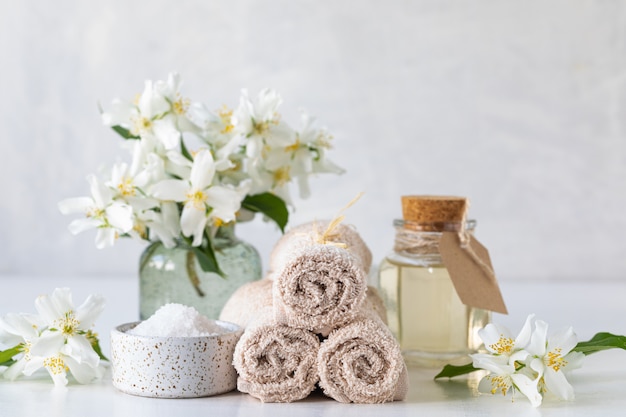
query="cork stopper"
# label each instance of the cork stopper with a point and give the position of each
(434, 210)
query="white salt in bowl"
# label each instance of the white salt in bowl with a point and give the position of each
(174, 367)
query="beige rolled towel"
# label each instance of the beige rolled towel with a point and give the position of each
(362, 362)
(275, 363)
(319, 288)
(305, 235)
(242, 307)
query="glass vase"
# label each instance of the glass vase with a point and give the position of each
(174, 275)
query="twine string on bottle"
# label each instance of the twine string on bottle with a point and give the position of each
(412, 242)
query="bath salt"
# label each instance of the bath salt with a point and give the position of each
(177, 320)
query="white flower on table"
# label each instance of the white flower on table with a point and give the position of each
(58, 339)
(553, 357)
(66, 345)
(21, 330)
(499, 340)
(532, 363)
(506, 354)
(203, 200)
(111, 218)
(504, 375)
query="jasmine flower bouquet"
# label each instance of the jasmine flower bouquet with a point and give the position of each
(192, 169)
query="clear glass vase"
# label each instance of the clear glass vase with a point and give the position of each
(173, 275)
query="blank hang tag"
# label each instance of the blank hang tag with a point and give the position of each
(474, 286)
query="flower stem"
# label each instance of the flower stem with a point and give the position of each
(192, 274)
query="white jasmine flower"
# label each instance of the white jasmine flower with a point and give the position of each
(149, 117)
(297, 161)
(59, 339)
(127, 185)
(217, 128)
(160, 225)
(532, 363)
(179, 106)
(505, 361)
(111, 218)
(505, 377)
(554, 357)
(499, 340)
(20, 330)
(66, 344)
(319, 142)
(59, 364)
(260, 122)
(203, 200)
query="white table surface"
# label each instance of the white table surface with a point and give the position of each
(589, 307)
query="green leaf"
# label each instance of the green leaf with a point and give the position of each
(601, 341)
(185, 151)
(450, 371)
(207, 260)
(123, 132)
(270, 205)
(6, 356)
(95, 344)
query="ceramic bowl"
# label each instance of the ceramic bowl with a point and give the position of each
(174, 367)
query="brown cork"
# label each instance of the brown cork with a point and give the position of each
(433, 209)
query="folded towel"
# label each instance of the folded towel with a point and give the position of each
(306, 235)
(319, 288)
(275, 363)
(362, 362)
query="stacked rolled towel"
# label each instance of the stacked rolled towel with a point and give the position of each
(319, 284)
(361, 362)
(305, 235)
(275, 362)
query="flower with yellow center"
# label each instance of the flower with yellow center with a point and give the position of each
(21, 330)
(503, 377)
(102, 212)
(499, 340)
(225, 114)
(181, 105)
(554, 357)
(67, 325)
(60, 340)
(259, 121)
(282, 176)
(202, 200)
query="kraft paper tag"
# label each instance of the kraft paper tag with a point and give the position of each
(475, 286)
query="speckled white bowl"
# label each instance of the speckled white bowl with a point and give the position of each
(174, 367)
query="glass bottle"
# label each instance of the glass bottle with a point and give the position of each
(174, 275)
(432, 325)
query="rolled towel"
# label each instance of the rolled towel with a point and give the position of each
(306, 234)
(242, 307)
(319, 288)
(275, 363)
(362, 362)
(375, 304)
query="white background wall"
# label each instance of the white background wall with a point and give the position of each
(518, 105)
